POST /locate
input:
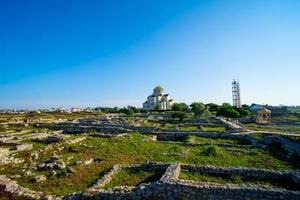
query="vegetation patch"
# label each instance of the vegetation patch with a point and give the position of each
(134, 176)
(274, 128)
(211, 151)
(237, 179)
(213, 128)
(196, 139)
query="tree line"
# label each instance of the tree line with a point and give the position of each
(205, 110)
(180, 110)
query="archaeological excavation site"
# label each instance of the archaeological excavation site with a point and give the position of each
(144, 156)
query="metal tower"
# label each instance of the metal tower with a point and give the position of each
(236, 97)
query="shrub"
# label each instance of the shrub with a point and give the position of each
(180, 107)
(179, 115)
(211, 151)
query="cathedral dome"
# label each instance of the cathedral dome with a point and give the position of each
(158, 90)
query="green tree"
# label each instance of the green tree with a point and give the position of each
(129, 110)
(180, 107)
(157, 107)
(226, 105)
(213, 107)
(199, 109)
(206, 113)
(244, 112)
(178, 115)
(228, 111)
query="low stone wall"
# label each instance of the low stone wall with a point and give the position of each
(170, 187)
(105, 179)
(220, 145)
(17, 146)
(23, 147)
(242, 137)
(292, 148)
(108, 176)
(4, 151)
(76, 140)
(181, 135)
(245, 172)
(172, 173)
(182, 190)
(11, 189)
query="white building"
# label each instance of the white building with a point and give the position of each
(76, 110)
(158, 100)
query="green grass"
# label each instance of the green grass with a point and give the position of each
(274, 128)
(211, 151)
(195, 140)
(10, 147)
(133, 177)
(136, 149)
(294, 109)
(168, 126)
(190, 128)
(149, 123)
(213, 129)
(133, 148)
(257, 135)
(236, 179)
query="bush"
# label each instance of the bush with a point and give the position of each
(211, 151)
(213, 107)
(243, 112)
(180, 107)
(200, 110)
(228, 111)
(178, 115)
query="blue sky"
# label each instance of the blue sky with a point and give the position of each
(112, 53)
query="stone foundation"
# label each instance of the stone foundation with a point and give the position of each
(171, 187)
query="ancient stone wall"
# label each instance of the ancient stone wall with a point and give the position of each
(245, 172)
(170, 187)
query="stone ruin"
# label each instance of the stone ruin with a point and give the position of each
(53, 163)
(169, 186)
(49, 139)
(107, 126)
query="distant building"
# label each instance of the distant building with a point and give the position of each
(236, 96)
(263, 116)
(76, 110)
(276, 110)
(158, 100)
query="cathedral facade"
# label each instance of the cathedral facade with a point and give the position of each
(158, 101)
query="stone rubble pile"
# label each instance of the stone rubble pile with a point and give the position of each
(53, 163)
(49, 139)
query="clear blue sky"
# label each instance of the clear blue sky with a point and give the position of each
(112, 53)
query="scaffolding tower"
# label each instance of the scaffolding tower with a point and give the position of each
(236, 96)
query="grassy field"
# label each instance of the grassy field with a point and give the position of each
(294, 109)
(274, 128)
(46, 116)
(194, 140)
(236, 179)
(213, 129)
(133, 149)
(181, 126)
(133, 177)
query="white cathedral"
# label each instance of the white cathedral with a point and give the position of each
(158, 100)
